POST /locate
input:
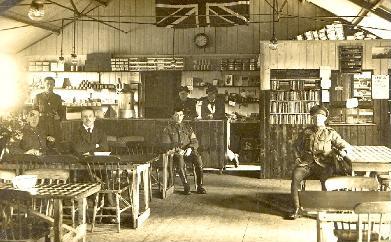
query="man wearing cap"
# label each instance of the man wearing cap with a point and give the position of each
(188, 105)
(315, 153)
(212, 106)
(181, 138)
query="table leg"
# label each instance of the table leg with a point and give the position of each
(57, 220)
(165, 175)
(135, 198)
(146, 183)
(81, 217)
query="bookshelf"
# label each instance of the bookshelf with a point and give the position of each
(292, 98)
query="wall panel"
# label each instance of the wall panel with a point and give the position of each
(147, 39)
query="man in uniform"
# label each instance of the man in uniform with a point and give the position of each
(315, 151)
(180, 137)
(187, 104)
(49, 106)
(35, 139)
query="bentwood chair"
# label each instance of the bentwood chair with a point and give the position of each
(115, 195)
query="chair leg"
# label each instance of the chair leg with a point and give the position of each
(118, 212)
(73, 213)
(94, 212)
(195, 177)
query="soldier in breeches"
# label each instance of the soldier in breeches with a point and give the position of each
(315, 153)
(181, 138)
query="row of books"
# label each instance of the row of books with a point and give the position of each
(309, 95)
(290, 119)
(294, 84)
(291, 107)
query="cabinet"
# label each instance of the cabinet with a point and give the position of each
(292, 98)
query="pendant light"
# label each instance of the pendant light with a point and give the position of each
(273, 44)
(36, 11)
(61, 58)
(73, 55)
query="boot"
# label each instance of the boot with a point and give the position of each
(200, 177)
(186, 186)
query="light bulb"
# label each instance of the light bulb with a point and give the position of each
(273, 44)
(36, 11)
(74, 58)
(61, 59)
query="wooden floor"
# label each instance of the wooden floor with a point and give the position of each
(229, 212)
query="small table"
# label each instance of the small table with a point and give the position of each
(58, 192)
(326, 202)
(371, 158)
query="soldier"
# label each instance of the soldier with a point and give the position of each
(315, 153)
(180, 137)
(187, 104)
(50, 110)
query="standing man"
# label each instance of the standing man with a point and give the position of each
(212, 107)
(188, 105)
(181, 138)
(315, 151)
(50, 109)
(88, 138)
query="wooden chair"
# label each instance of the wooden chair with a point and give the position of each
(19, 226)
(374, 218)
(115, 187)
(345, 230)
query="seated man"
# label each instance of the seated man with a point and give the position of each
(181, 138)
(314, 150)
(35, 139)
(87, 139)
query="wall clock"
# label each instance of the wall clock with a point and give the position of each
(201, 40)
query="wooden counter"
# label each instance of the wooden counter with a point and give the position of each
(210, 134)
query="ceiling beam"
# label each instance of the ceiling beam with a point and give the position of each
(370, 7)
(7, 4)
(24, 19)
(101, 2)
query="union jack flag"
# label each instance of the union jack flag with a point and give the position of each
(201, 13)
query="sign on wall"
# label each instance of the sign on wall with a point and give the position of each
(380, 87)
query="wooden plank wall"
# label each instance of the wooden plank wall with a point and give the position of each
(147, 39)
(210, 134)
(277, 159)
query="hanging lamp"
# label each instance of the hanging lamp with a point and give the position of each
(36, 11)
(61, 59)
(273, 44)
(73, 55)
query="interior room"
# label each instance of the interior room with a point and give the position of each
(212, 120)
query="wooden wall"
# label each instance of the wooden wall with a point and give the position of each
(276, 155)
(147, 39)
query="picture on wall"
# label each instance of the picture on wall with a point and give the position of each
(383, 52)
(228, 80)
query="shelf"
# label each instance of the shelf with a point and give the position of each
(224, 70)
(226, 86)
(296, 79)
(297, 101)
(289, 113)
(304, 90)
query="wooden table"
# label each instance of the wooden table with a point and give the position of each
(327, 202)
(371, 158)
(138, 166)
(58, 192)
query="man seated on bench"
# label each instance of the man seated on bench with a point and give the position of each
(181, 138)
(315, 154)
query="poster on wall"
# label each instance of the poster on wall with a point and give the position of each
(380, 87)
(383, 52)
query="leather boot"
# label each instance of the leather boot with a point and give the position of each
(200, 177)
(186, 186)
